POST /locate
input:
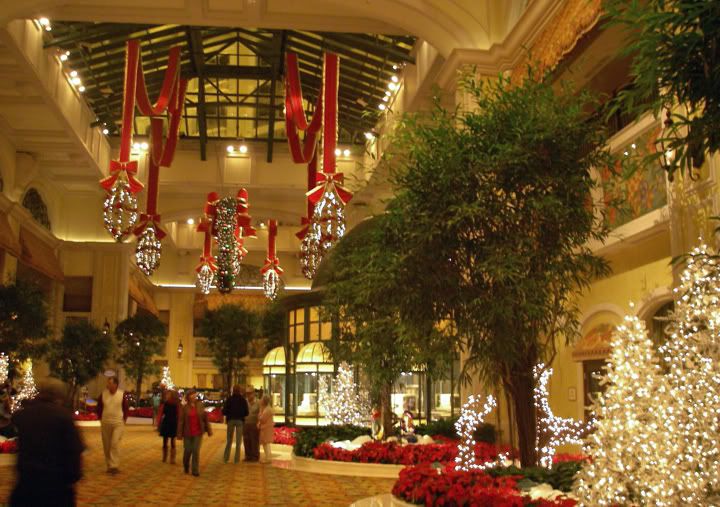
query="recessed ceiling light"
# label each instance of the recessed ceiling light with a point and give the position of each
(381, 107)
(73, 73)
(191, 221)
(105, 131)
(338, 152)
(81, 88)
(44, 21)
(144, 145)
(243, 148)
(230, 149)
(346, 152)
(394, 79)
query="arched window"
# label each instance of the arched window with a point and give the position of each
(34, 203)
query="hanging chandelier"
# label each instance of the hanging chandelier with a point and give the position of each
(224, 223)
(206, 268)
(120, 210)
(148, 250)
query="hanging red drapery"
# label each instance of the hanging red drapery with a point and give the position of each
(295, 120)
(271, 271)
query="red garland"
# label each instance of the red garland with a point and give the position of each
(272, 262)
(207, 257)
(295, 119)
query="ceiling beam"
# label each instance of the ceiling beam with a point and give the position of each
(197, 58)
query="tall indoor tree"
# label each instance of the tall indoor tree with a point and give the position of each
(23, 321)
(674, 47)
(362, 296)
(138, 339)
(79, 356)
(494, 216)
(229, 329)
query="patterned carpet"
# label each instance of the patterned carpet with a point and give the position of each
(146, 481)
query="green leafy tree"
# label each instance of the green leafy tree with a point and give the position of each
(138, 339)
(492, 216)
(79, 356)
(272, 325)
(675, 60)
(23, 321)
(362, 295)
(229, 329)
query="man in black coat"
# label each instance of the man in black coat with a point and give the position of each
(235, 412)
(50, 448)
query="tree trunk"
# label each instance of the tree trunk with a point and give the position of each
(521, 388)
(386, 410)
(138, 388)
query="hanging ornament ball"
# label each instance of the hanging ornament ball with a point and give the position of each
(148, 250)
(205, 278)
(309, 254)
(120, 211)
(329, 220)
(271, 283)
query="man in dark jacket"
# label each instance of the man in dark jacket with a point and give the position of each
(50, 448)
(235, 412)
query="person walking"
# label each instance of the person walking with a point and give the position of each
(251, 434)
(157, 398)
(113, 413)
(192, 423)
(265, 427)
(49, 461)
(235, 411)
(167, 424)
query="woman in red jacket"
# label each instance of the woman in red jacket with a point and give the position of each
(192, 423)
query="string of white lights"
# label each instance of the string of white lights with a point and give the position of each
(471, 417)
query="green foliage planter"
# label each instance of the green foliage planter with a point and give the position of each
(561, 476)
(308, 438)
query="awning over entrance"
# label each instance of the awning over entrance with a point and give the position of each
(595, 344)
(39, 255)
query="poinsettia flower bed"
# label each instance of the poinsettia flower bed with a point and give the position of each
(215, 415)
(430, 486)
(284, 435)
(9, 446)
(395, 454)
(145, 412)
(88, 416)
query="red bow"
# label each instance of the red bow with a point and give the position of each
(273, 264)
(325, 182)
(306, 227)
(145, 221)
(207, 260)
(130, 168)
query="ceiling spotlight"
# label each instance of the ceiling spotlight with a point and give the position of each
(346, 152)
(394, 79)
(76, 81)
(369, 136)
(136, 146)
(191, 221)
(144, 145)
(105, 131)
(338, 152)
(633, 146)
(48, 28)
(243, 148)
(44, 21)
(392, 86)
(382, 107)
(230, 149)
(386, 98)
(73, 73)
(395, 67)
(63, 57)
(81, 88)
(388, 93)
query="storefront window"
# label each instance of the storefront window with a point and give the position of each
(307, 394)
(408, 394)
(275, 387)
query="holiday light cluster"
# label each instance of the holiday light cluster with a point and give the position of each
(471, 417)
(4, 367)
(120, 210)
(27, 389)
(340, 399)
(554, 431)
(148, 251)
(166, 380)
(657, 438)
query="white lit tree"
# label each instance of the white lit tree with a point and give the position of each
(341, 401)
(166, 380)
(691, 356)
(631, 451)
(4, 367)
(27, 390)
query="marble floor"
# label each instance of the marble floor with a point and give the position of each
(145, 481)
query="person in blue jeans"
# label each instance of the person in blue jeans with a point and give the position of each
(235, 411)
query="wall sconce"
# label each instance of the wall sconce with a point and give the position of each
(180, 350)
(106, 328)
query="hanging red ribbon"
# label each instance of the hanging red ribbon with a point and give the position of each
(271, 261)
(311, 177)
(243, 217)
(206, 258)
(295, 120)
(331, 75)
